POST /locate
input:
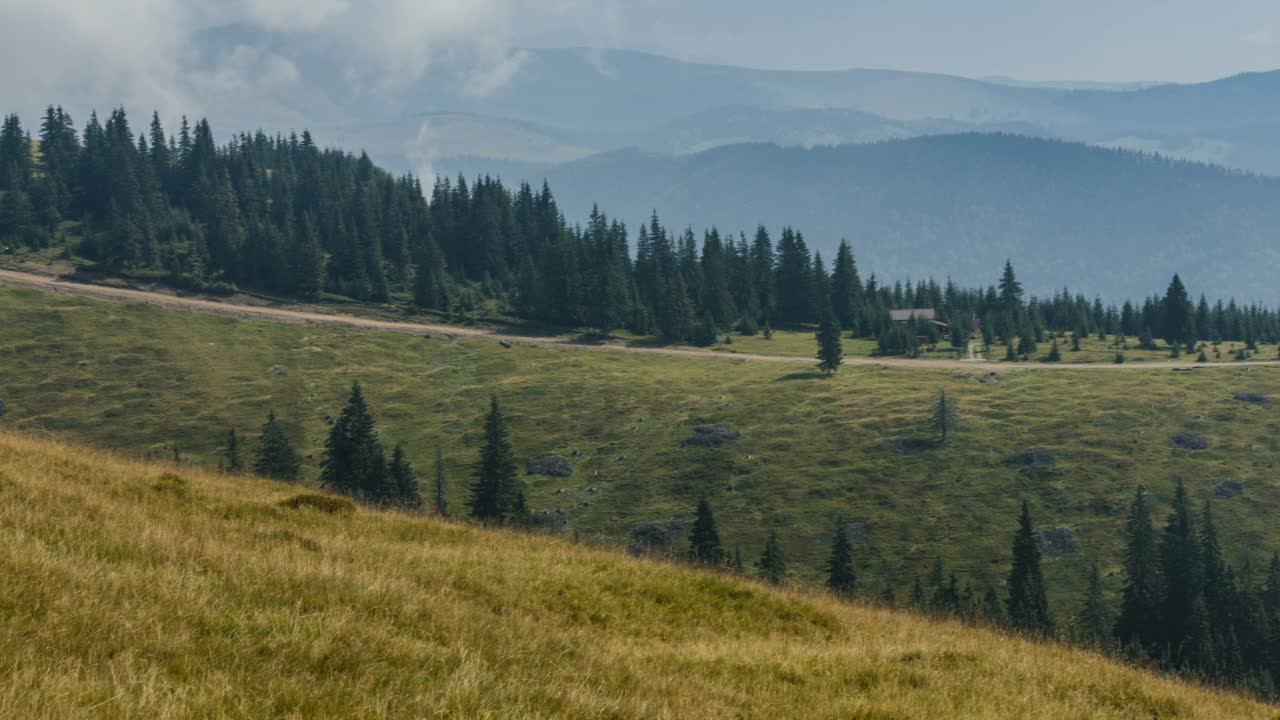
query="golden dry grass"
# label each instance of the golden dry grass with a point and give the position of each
(134, 590)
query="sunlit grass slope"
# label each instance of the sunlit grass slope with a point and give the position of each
(139, 379)
(154, 591)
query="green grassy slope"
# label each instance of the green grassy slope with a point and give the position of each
(812, 450)
(147, 590)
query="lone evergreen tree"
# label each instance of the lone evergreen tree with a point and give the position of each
(946, 416)
(354, 462)
(1138, 625)
(231, 453)
(771, 566)
(401, 479)
(440, 489)
(1055, 355)
(1183, 590)
(830, 348)
(497, 495)
(1028, 602)
(1094, 625)
(274, 456)
(840, 576)
(704, 539)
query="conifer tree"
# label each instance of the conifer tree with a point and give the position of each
(840, 575)
(353, 463)
(231, 453)
(274, 457)
(1028, 601)
(497, 494)
(945, 417)
(704, 539)
(1094, 623)
(440, 488)
(1055, 355)
(1138, 624)
(830, 347)
(1181, 568)
(772, 566)
(402, 481)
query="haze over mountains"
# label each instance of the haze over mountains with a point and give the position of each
(637, 132)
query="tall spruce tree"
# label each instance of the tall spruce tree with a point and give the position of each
(439, 487)
(1183, 588)
(1028, 601)
(497, 494)
(274, 456)
(1138, 626)
(830, 346)
(772, 566)
(840, 575)
(1094, 622)
(704, 538)
(402, 481)
(354, 463)
(945, 416)
(231, 453)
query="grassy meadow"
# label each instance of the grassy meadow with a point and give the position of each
(812, 451)
(153, 590)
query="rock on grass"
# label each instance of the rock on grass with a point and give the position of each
(552, 465)
(710, 436)
(1189, 441)
(1228, 489)
(1031, 458)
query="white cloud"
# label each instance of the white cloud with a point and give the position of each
(85, 53)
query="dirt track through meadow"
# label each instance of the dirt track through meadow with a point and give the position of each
(312, 316)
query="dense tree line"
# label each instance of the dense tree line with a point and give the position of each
(280, 215)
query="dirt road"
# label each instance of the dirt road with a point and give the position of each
(312, 316)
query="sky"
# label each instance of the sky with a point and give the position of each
(1099, 40)
(130, 51)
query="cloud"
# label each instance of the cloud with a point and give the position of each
(138, 53)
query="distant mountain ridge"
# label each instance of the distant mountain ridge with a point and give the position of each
(610, 99)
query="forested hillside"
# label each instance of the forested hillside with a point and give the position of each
(1110, 222)
(280, 215)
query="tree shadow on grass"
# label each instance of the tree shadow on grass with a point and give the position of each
(802, 376)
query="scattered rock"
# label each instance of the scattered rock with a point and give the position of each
(505, 344)
(710, 436)
(1056, 542)
(658, 537)
(990, 377)
(1246, 398)
(577, 453)
(910, 445)
(1228, 489)
(322, 503)
(592, 490)
(562, 491)
(278, 371)
(1189, 441)
(1031, 458)
(552, 465)
(857, 532)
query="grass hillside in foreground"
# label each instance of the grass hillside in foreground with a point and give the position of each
(812, 451)
(150, 590)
